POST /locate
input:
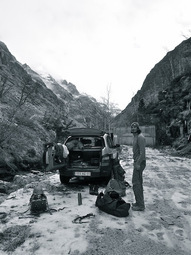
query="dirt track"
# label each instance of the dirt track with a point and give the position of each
(163, 228)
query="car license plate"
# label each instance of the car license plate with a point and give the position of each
(82, 174)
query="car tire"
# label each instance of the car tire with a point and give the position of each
(107, 179)
(64, 179)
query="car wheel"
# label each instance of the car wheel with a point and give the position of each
(64, 179)
(107, 179)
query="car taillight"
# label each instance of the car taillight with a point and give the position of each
(105, 160)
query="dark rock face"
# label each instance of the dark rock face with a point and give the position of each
(33, 110)
(167, 85)
(164, 100)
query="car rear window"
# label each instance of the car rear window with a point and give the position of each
(87, 142)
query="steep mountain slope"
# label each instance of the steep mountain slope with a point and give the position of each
(83, 109)
(165, 96)
(35, 110)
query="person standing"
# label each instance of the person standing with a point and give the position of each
(139, 158)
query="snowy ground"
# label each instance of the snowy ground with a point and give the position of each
(163, 228)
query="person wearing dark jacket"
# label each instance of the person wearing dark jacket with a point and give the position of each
(139, 158)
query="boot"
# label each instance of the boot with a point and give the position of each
(136, 207)
(93, 190)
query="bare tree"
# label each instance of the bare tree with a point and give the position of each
(4, 88)
(58, 121)
(28, 89)
(6, 82)
(110, 109)
(186, 36)
(135, 108)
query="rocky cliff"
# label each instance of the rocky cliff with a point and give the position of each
(36, 109)
(165, 96)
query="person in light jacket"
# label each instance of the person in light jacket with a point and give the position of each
(139, 158)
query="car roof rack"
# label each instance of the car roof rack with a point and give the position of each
(85, 132)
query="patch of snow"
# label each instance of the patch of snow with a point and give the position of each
(166, 222)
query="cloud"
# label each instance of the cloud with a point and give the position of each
(93, 43)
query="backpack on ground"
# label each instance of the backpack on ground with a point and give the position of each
(117, 186)
(117, 182)
(118, 171)
(38, 201)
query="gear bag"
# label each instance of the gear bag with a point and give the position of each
(61, 152)
(117, 182)
(113, 204)
(117, 186)
(38, 201)
(55, 156)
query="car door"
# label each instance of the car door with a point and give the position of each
(111, 148)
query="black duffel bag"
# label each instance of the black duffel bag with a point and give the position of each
(113, 204)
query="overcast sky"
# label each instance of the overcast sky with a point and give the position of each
(95, 44)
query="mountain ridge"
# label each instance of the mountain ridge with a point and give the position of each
(35, 110)
(164, 99)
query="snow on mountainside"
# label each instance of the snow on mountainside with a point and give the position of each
(63, 89)
(47, 80)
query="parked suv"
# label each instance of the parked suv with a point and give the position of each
(91, 153)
